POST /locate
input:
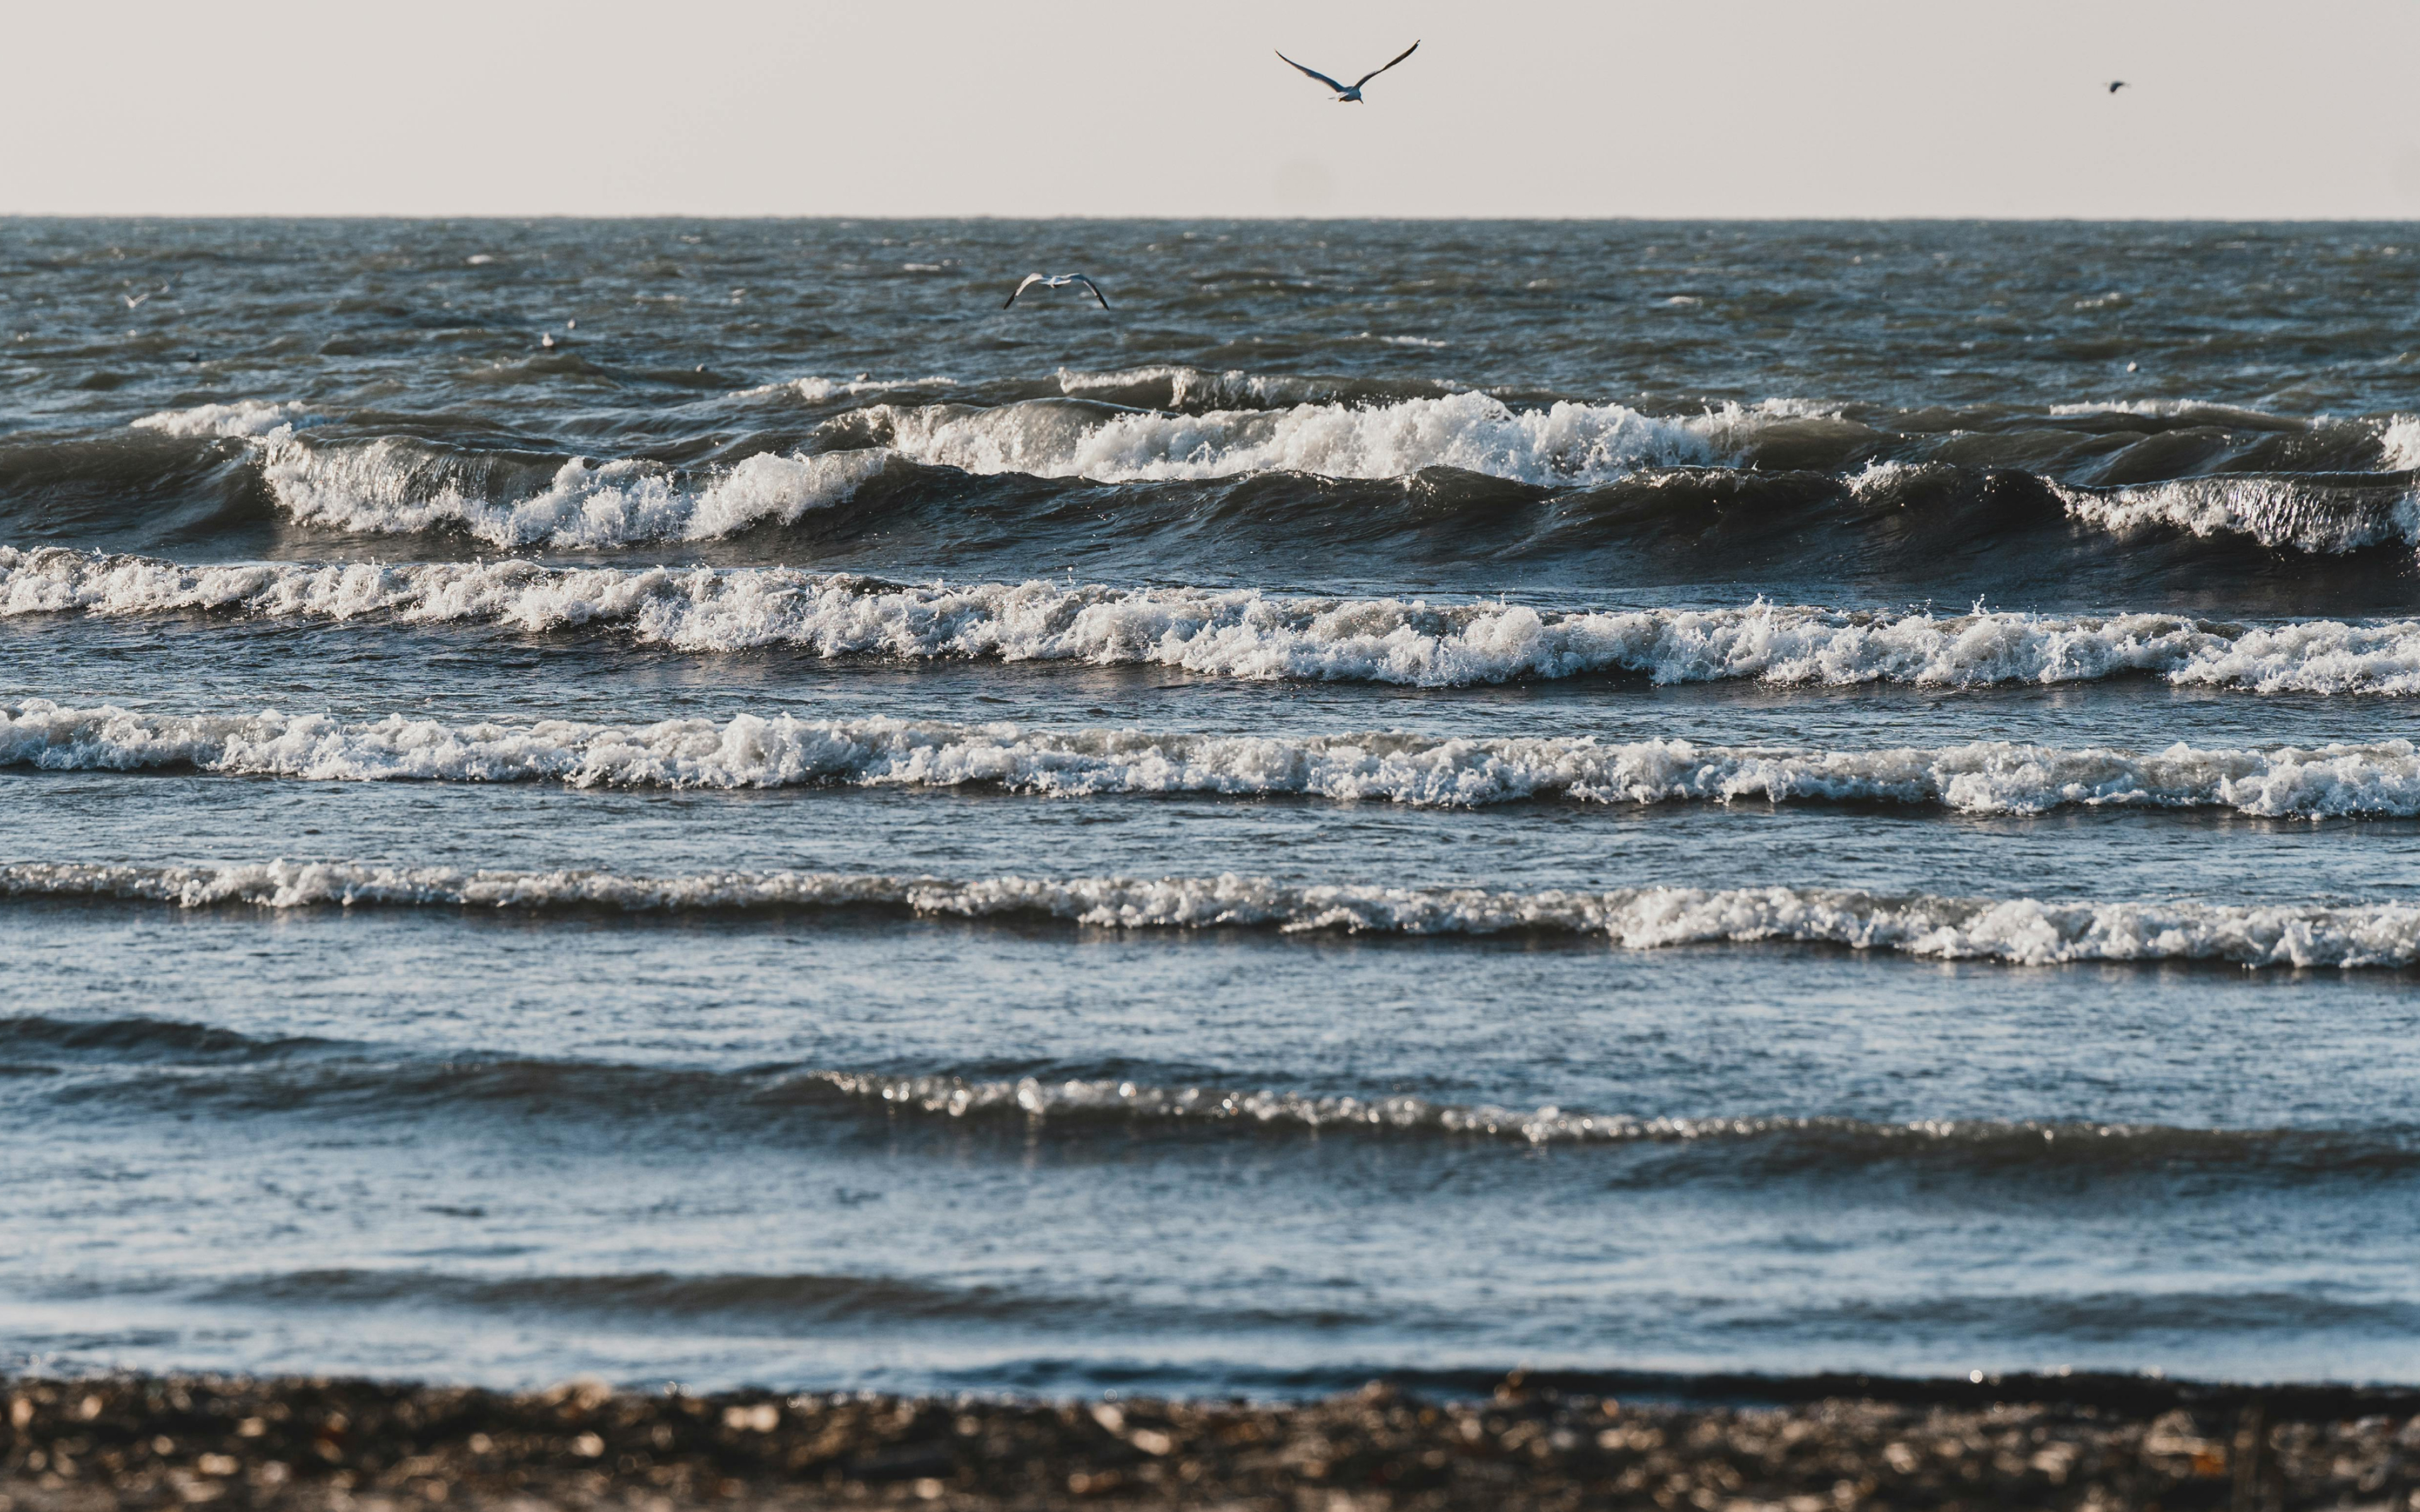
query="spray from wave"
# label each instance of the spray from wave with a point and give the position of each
(303, 1068)
(751, 751)
(2018, 932)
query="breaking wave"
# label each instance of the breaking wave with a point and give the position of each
(2018, 930)
(1182, 424)
(1098, 1100)
(398, 486)
(1081, 1098)
(2399, 442)
(244, 417)
(2195, 411)
(1563, 444)
(1175, 386)
(750, 751)
(2321, 516)
(1241, 633)
(813, 388)
(401, 484)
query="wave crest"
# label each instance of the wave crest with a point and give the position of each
(2017, 931)
(1120, 1100)
(246, 419)
(2298, 513)
(1241, 633)
(750, 751)
(398, 486)
(1082, 1099)
(1194, 426)
(1563, 444)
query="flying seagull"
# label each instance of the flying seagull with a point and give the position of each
(1060, 282)
(135, 301)
(1351, 93)
(2116, 84)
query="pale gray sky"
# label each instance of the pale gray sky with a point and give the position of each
(1521, 107)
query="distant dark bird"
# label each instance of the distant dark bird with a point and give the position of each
(1060, 282)
(2116, 84)
(1351, 93)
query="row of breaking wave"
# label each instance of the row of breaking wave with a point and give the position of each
(2016, 931)
(1239, 632)
(2284, 487)
(348, 1071)
(2382, 778)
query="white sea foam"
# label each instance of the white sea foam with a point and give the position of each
(393, 486)
(1241, 633)
(2274, 510)
(751, 751)
(247, 418)
(2016, 931)
(1562, 444)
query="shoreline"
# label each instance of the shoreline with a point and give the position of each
(1791, 1445)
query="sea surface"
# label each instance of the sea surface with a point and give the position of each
(699, 801)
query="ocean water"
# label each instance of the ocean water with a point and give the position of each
(699, 801)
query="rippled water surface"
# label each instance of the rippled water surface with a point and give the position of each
(702, 801)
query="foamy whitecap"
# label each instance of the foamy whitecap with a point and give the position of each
(2015, 930)
(752, 751)
(1241, 633)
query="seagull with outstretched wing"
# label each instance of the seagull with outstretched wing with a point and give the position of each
(1061, 281)
(1351, 93)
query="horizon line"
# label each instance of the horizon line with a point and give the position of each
(1255, 217)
